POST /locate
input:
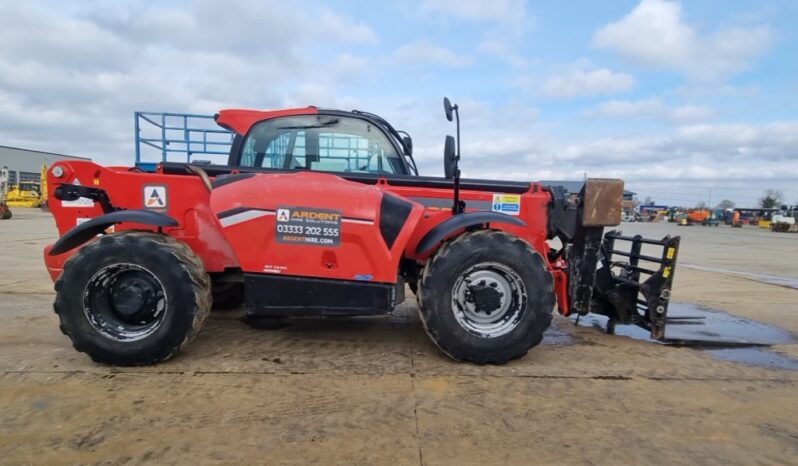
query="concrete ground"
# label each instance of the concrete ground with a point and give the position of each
(378, 392)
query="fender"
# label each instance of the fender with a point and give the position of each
(460, 221)
(88, 230)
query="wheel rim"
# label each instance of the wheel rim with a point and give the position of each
(489, 299)
(125, 302)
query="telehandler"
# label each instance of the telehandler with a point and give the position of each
(322, 213)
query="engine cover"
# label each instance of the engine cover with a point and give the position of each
(316, 225)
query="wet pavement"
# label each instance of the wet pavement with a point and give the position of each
(788, 282)
(756, 356)
(718, 333)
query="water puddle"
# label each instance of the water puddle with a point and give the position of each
(724, 336)
(557, 336)
(756, 356)
(778, 280)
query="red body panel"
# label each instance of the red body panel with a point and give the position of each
(187, 201)
(361, 253)
(251, 245)
(239, 121)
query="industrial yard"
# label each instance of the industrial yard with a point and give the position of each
(376, 390)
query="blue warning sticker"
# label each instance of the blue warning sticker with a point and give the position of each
(509, 204)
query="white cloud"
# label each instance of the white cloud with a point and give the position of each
(503, 11)
(628, 108)
(688, 113)
(256, 28)
(425, 53)
(507, 22)
(776, 141)
(503, 49)
(713, 155)
(654, 34)
(650, 108)
(580, 82)
(77, 76)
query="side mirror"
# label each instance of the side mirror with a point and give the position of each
(407, 142)
(447, 108)
(449, 158)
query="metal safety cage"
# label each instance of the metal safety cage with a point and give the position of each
(178, 137)
(635, 288)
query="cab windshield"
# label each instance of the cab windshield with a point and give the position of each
(321, 143)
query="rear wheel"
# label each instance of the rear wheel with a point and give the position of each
(486, 297)
(5, 212)
(132, 298)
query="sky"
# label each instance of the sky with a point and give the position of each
(688, 102)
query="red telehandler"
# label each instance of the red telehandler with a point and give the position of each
(322, 213)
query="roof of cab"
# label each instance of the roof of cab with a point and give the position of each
(241, 120)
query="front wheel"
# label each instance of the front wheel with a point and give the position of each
(486, 297)
(132, 298)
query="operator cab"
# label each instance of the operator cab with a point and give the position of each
(328, 141)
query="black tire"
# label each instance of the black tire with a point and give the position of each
(5, 213)
(132, 298)
(479, 254)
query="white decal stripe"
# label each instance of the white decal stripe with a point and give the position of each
(353, 220)
(243, 217)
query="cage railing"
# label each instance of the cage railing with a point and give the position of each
(177, 137)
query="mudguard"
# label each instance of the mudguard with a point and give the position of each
(460, 221)
(88, 230)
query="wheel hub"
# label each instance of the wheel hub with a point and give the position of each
(131, 296)
(124, 302)
(488, 299)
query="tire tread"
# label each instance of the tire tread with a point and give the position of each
(461, 245)
(182, 253)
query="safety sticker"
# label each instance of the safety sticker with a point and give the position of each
(507, 204)
(272, 268)
(79, 202)
(155, 197)
(309, 226)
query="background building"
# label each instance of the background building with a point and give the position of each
(25, 165)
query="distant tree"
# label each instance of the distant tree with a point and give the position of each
(701, 205)
(725, 204)
(649, 201)
(771, 199)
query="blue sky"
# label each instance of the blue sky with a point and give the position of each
(687, 101)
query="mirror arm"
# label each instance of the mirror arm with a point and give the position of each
(457, 116)
(458, 207)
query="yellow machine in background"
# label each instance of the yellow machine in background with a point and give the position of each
(30, 193)
(27, 194)
(43, 185)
